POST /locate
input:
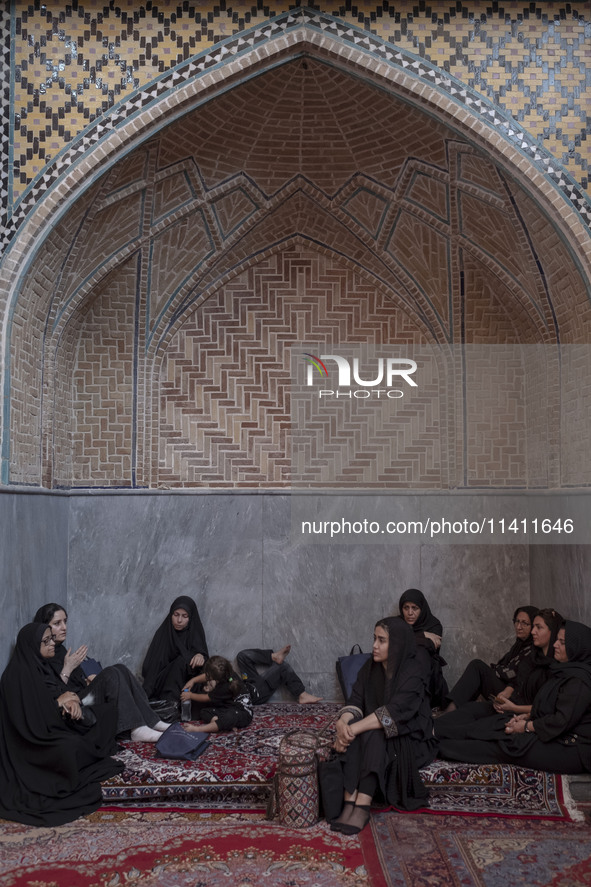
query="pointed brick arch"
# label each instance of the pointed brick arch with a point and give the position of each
(233, 62)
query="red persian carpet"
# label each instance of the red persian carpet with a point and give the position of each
(182, 848)
(458, 851)
(237, 768)
(187, 848)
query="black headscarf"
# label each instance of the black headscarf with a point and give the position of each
(402, 660)
(577, 638)
(77, 681)
(168, 644)
(426, 621)
(534, 671)
(554, 621)
(507, 665)
(49, 772)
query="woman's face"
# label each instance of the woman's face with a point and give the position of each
(180, 619)
(59, 626)
(410, 613)
(560, 647)
(47, 647)
(380, 644)
(522, 624)
(540, 633)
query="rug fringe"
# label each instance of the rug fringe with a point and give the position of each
(569, 802)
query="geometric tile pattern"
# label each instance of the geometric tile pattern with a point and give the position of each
(80, 70)
(5, 109)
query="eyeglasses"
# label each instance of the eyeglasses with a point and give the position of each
(521, 622)
(47, 641)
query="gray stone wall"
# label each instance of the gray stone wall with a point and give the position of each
(33, 558)
(559, 577)
(117, 560)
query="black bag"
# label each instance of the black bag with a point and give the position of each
(332, 787)
(177, 743)
(166, 709)
(348, 668)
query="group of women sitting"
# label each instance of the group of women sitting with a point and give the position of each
(60, 725)
(534, 708)
(61, 722)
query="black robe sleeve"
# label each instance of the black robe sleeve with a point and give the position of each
(572, 703)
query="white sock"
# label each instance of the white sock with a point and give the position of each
(161, 726)
(145, 734)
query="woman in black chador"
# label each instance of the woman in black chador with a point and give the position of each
(489, 680)
(428, 632)
(483, 720)
(113, 683)
(385, 730)
(556, 734)
(51, 766)
(177, 652)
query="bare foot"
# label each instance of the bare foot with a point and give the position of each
(280, 655)
(307, 698)
(212, 727)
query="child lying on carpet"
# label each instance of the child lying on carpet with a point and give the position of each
(277, 673)
(230, 705)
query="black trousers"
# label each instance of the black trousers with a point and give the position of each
(478, 678)
(551, 756)
(262, 686)
(117, 684)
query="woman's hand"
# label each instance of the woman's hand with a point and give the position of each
(502, 704)
(70, 704)
(516, 724)
(434, 638)
(73, 660)
(197, 660)
(344, 737)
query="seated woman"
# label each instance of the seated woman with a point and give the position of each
(480, 679)
(556, 735)
(277, 673)
(226, 700)
(114, 683)
(385, 730)
(177, 651)
(428, 632)
(533, 671)
(480, 720)
(51, 767)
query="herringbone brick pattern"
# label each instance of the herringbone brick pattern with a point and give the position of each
(101, 389)
(226, 382)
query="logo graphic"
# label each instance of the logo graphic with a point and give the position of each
(388, 370)
(314, 361)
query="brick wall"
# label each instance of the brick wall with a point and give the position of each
(144, 319)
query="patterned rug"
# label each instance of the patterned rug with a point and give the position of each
(235, 771)
(237, 768)
(449, 851)
(498, 790)
(150, 847)
(181, 848)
